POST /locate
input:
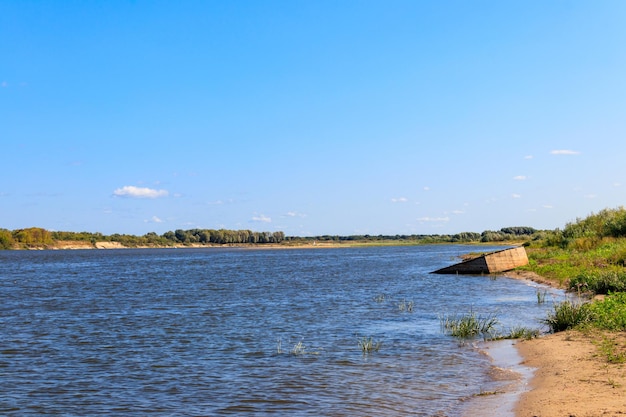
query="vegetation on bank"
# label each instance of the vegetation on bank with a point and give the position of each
(587, 257)
(36, 237)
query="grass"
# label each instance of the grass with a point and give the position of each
(611, 350)
(368, 345)
(607, 314)
(567, 315)
(610, 313)
(585, 264)
(406, 306)
(297, 349)
(380, 298)
(522, 333)
(541, 296)
(599, 281)
(470, 325)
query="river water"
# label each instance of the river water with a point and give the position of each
(216, 332)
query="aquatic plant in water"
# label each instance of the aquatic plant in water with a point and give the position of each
(469, 325)
(541, 296)
(406, 306)
(367, 345)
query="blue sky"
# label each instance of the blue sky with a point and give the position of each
(310, 117)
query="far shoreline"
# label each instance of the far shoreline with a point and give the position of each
(107, 245)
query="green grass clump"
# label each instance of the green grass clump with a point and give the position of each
(567, 315)
(470, 325)
(368, 345)
(522, 333)
(541, 296)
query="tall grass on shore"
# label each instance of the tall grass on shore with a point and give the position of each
(599, 282)
(567, 315)
(607, 314)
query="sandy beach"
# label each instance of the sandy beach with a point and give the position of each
(572, 376)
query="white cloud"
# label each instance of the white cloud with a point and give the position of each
(434, 219)
(520, 177)
(564, 152)
(426, 188)
(155, 219)
(131, 191)
(295, 214)
(548, 206)
(458, 212)
(262, 219)
(516, 195)
(399, 200)
(590, 196)
(528, 157)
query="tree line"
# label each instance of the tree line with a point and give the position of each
(39, 237)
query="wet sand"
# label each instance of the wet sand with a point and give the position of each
(511, 379)
(558, 375)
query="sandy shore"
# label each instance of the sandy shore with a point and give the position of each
(570, 375)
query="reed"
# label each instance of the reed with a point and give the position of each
(567, 315)
(406, 306)
(470, 325)
(368, 345)
(380, 298)
(524, 333)
(298, 349)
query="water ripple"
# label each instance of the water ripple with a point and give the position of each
(215, 332)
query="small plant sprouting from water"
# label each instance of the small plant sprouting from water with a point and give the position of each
(380, 298)
(406, 306)
(541, 296)
(298, 348)
(469, 325)
(368, 345)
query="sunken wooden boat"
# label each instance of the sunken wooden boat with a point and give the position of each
(489, 263)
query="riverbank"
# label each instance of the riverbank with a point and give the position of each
(563, 374)
(572, 377)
